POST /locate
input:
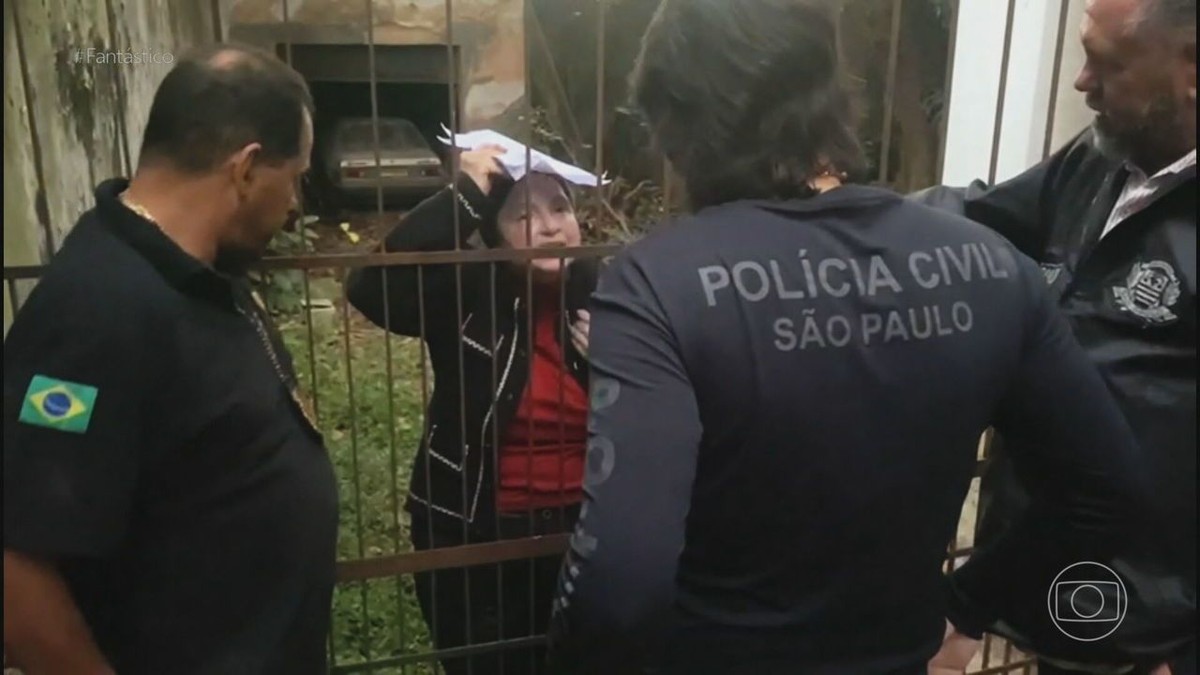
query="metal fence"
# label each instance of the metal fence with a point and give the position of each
(371, 389)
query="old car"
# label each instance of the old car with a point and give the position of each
(406, 167)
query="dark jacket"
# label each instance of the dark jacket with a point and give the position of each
(787, 401)
(480, 357)
(1131, 300)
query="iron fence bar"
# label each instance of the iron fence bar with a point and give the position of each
(538, 640)
(425, 429)
(332, 644)
(470, 555)
(214, 6)
(601, 57)
(666, 188)
(303, 227)
(998, 128)
(533, 641)
(444, 654)
(390, 258)
(354, 466)
(890, 90)
(947, 88)
(10, 287)
(955, 553)
(495, 432)
(314, 390)
(393, 460)
(562, 402)
(529, 346)
(1056, 76)
(452, 68)
(575, 143)
(530, 307)
(436, 257)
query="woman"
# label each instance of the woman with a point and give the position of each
(790, 385)
(518, 396)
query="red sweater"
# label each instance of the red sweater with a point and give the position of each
(542, 455)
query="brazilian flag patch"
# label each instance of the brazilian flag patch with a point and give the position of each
(59, 405)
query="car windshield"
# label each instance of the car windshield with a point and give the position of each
(393, 134)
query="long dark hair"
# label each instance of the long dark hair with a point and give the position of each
(745, 98)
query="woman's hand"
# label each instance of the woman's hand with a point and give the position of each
(579, 331)
(955, 655)
(482, 166)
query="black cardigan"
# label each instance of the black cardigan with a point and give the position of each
(479, 375)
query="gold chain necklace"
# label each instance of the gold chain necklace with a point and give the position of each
(139, 209)
(252, 316)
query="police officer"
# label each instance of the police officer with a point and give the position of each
(1111, 218)
(168, 505)
(789, 386)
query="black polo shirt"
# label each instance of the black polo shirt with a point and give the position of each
(154, 447)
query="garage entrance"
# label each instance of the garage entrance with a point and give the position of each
(413, 85)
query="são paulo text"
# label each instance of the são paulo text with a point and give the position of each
(873, 328)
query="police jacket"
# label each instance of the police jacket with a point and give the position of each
(787, 398)
(480, 358)
(1130, 298)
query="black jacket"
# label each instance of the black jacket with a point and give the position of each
(480, 358)
(787, 402)
(1131, 300)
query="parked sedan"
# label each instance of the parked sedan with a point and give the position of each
(407, 168)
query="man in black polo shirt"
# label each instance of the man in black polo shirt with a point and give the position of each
(169, 506)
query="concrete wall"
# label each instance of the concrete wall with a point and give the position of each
(489, 34)
(975, 86)
(79, 76)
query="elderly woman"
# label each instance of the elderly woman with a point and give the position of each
(502, 455)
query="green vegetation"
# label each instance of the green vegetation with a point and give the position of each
(370, 408)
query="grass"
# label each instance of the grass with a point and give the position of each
(370, 408)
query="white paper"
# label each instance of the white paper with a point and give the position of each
(514, 159)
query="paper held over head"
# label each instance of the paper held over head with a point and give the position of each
(514, 159)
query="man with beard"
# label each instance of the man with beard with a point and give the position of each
(1112, 220)
(169, 506)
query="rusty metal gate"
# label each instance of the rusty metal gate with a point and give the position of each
(371, 388)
